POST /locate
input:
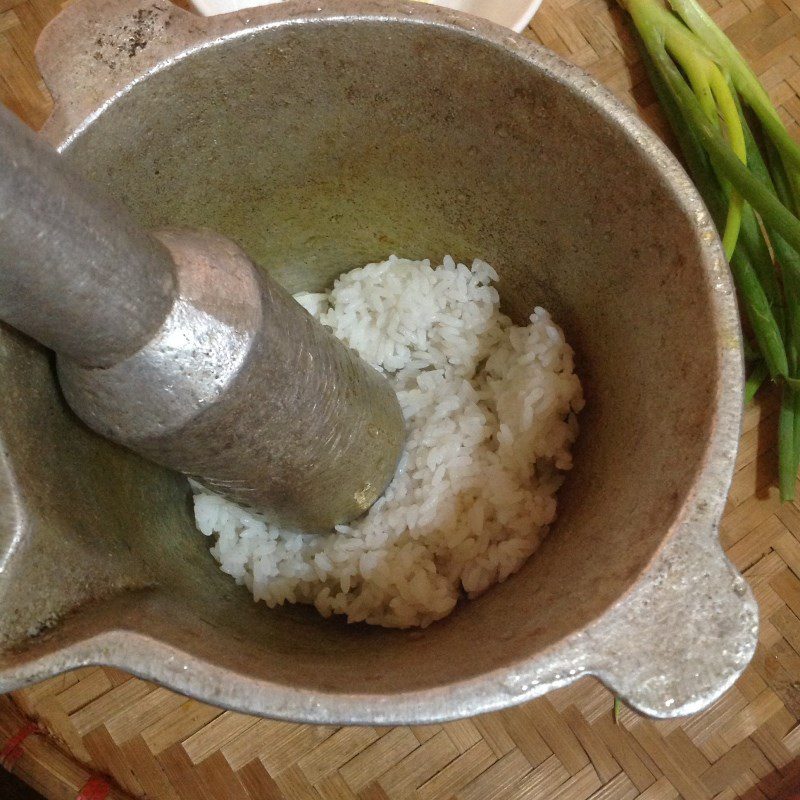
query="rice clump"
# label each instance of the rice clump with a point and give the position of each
(490, 412)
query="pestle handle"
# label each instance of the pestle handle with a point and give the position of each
(176, 346)
(76, 272)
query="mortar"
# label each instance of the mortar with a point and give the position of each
(321, 139)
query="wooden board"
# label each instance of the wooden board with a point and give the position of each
(131, 739)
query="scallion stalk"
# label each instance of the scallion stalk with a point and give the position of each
(750, 180)
(755, 379)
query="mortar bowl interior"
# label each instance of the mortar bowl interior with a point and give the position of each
(321, 146)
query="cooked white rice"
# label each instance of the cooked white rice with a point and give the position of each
(490, 410)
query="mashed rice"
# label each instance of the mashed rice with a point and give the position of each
(490, 411)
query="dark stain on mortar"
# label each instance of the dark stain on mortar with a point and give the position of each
(133, 37)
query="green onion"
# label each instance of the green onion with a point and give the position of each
(754, 381)
(747, 168)
(697, 20)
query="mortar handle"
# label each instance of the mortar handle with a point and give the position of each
(671, 645)
(683, 636)
(93, 50)
(76, 272)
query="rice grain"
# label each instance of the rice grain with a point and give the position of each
(491, 412)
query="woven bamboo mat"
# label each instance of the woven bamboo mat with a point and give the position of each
(101, 733)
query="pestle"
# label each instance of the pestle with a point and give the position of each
(175, 345)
